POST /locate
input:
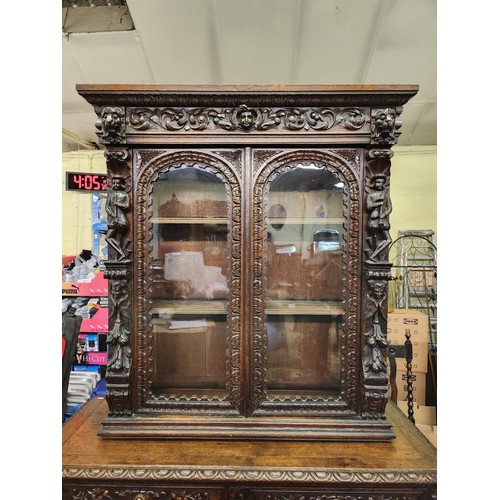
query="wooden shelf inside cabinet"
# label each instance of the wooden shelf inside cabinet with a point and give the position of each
(189, 220)
(190, 307)
(306, 220)
(304, 307)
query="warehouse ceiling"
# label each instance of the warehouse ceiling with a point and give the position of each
(249, 42)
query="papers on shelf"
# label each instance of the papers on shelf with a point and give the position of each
(182, 324)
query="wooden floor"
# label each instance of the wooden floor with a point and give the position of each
(406, 465)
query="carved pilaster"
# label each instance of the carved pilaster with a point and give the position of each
(377, 273)
(119, 349)
(119, 272)
(374, 354)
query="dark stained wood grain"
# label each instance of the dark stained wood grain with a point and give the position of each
(408, 463)
(249, 385)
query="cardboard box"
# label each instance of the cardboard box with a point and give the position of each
(425, 420)
(399, 321)
(419, 385)
(429, 431)
(423, 415)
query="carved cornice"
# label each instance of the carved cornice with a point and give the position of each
(252, 96)
(252, 474)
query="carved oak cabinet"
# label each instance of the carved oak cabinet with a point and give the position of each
(248, 239)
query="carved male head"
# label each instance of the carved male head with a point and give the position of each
(246, 117)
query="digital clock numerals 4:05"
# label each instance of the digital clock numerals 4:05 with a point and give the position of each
(78, 181)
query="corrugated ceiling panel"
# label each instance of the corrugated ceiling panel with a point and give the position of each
(114, 57)
(179, 38)
(334, 40)
(409, 118)
(405, 48)
(71, 73)
(81, 124)
(257, 40)
(426, 129)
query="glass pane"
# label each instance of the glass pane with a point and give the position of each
(304, 248)
(190, 286)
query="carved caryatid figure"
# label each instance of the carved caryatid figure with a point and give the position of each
(376, 340)
(117, 203)
(119, 337)
(378, 203)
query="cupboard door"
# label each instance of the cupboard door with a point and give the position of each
(305, 206)
(192, 281)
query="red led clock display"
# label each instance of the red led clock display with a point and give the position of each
(80, 181)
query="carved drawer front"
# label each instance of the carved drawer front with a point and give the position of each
(329, 495)
(140, 493)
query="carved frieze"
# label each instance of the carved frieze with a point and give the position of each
(247, 119)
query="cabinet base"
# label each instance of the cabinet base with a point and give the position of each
(253, 428)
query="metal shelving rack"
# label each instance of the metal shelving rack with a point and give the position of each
(414, 257)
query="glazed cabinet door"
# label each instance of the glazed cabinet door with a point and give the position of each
(306, 213)
(189, 291)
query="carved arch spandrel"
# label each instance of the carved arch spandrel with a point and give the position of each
(348, 171)
(149, 167)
